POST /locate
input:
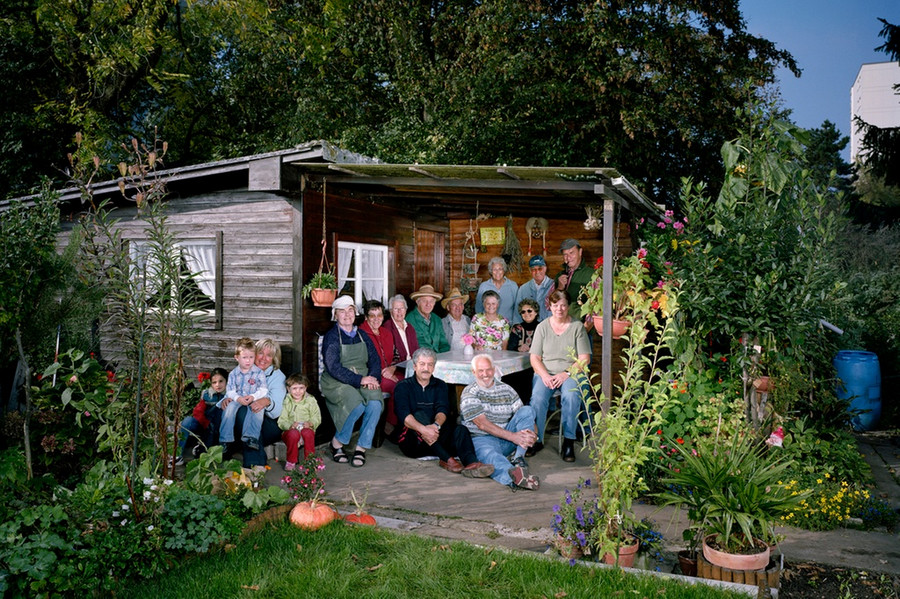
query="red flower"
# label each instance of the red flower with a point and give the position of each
(203, 376)
(680, 441)
(110, 376)
(659, 431)
(599, 263)
(724, 359)
(654, 305)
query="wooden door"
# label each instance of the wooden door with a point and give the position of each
(429, 259)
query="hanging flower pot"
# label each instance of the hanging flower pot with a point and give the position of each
(619, 328)
(323, 297)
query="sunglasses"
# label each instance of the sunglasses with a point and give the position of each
(529, 311)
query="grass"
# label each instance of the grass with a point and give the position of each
(358, 562)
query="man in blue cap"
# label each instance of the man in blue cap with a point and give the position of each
(538, 288)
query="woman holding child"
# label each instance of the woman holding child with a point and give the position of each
(351, 382)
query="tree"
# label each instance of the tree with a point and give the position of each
(822, 156)
(648, 88)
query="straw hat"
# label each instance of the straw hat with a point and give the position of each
(425, 291)
(454, 294)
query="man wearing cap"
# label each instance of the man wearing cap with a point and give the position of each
(538, 288)
(429, 329)
(423, 408)
(456, 324)
(575, 275)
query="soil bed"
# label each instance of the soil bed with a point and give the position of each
(817, 581)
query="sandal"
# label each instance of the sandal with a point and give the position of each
(359, 459)
(338, 455)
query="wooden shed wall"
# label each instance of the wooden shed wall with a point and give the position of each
(257, 262)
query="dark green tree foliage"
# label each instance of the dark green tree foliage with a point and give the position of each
(823, 156)
(649, 88)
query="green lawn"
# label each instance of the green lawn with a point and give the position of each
(355, 562)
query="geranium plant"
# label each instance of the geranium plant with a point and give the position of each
(631, 284)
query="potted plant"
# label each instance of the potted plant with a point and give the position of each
(573, 521)
(624, 425)
(631, 285)
(734, 494)
(322, 287)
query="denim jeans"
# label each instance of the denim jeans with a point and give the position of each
(371, 413)
(493, 450)
(570, 397)
(252, 423)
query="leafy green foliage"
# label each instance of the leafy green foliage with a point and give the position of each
(193, 522)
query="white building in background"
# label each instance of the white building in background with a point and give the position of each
(874, 99)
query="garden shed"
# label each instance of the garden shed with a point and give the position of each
(254, 227)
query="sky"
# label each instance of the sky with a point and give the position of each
(830, 40)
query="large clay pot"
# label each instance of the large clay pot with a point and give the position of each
(619, 328)
(736, 561)
(627, 553)
(762, 384)
(323, 297)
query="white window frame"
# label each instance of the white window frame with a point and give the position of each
(358, 278)
(213, 280)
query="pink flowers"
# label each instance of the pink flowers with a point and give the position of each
(468, 339)
(776, 439)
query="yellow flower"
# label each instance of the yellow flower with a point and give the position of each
(818, 481)
(827, 475)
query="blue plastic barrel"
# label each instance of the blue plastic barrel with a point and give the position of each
(859, 380)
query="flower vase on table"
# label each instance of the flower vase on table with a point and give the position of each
(468, 340)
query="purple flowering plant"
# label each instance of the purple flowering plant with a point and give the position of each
(575, 516)
(305, 482)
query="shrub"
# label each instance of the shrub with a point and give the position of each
(192, 522)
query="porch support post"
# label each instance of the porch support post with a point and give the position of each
(609, 233)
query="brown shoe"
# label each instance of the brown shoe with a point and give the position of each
(478, 470)
(452, 465)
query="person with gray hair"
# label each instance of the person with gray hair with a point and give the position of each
(505, 288)
(423, 407)
(500, 425)
(406, 341)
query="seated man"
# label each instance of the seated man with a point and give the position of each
(422, 406)
(500, 425)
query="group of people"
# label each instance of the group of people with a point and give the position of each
(361, 378)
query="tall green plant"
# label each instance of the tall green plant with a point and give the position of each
(150, 317)
(759, 264)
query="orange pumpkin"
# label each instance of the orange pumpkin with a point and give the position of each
(360, 518)
(312, 515)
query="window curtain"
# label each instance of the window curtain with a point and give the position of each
(345, 259)
(372, 275)
(201, 260)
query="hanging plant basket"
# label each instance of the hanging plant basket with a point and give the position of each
(619, 328)
(323, 298)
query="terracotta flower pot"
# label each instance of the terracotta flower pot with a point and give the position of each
(762, 384)
(619, 328)
(627, 553)
(736, 561)
(688, 562)
(323, 297)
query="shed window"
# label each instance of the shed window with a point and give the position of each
(200, 268)
(362, 271)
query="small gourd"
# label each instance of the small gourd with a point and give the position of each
(360, 516)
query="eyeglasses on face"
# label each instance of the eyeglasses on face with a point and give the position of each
(526, 311)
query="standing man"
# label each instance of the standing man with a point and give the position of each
(538, 288)
(422, 407)
(500, 425)
(575, 275)
(429, 329)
